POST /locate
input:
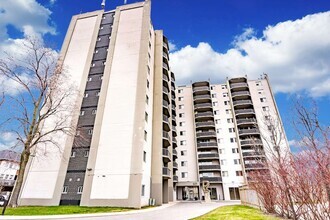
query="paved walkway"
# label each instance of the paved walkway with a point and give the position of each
(172, 211)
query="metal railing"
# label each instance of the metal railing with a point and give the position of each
(240, 93)
(246, 121)
(166, 153)
(244, 111)
(202, 97)
(238, 85)
(204, 114)
(210, 155)
(207, 144)
(209, 167)
(166, 171)
(244, 102)
(248, 131)
(209, 105)
(206, 134)
(203, 124)
(211, 179)
(201, 88)
(251, 142)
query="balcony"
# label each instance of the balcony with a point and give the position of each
(253, 154)
(247, 121)
(207, 145)
(242, 103)
(165, 77)
(165, 55)
(175, 165)
(165, 66)
(255, 166)
(238, 86)
(166, 139)
(204, 115)
(205, 134)
(165, 45)
(245, 112)
(211, 179)
(240, 95)
(166, 155)
(175, 153)
(252, 142)
(205, 124)
(200, 84)
(204, 106)
(202, 98)
(174, 140)
(238, 80)
(248, 131)
(208, 156)
(175, 178)
(166, 173)
(7, 182)
(166, 123)
(209, 167)
(165, 90)
(201, 90)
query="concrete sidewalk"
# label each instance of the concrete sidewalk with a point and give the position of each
(171, 211)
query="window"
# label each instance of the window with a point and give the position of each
(181, 106)
(82, 113)
(225, 173)
(11, 177)
(90, 131)
(232, 140)
(143, 190)
(214, 95)
(258, 83)
(180, 98)
(148, 84)
(144, 156)
(237, 161)
(226, 102)
(183, 143)
(180, 90)
(234, 150)
(73, 154)
(184, 174)
(265, 108)
(215, 103)
(2, 176)
(184, 153)
(223, 162)
(239, 173)
(80, 189)
(225, 94)
(146, 117)
(227, 111)
(218, 130)
(212, 87)
(260, 92)
(147, 99)
(231, 130)
(267, 117)
(94, 112)
(220, 140)
(145, 135)
(86, 153)
(217, 121)
(182, 133)
(149, 45)
(222, 151)
(184, 163)
(182, 123)
(263, 99)
(181, 115)
(148, 70)
(216, 112)
(230, 120)
(224, 87)
(65, 189)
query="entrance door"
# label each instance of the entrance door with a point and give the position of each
(213, 193)
(234, 193)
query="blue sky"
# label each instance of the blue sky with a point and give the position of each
(288, 39)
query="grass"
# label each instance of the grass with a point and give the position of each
(61, 210)
(236, 212)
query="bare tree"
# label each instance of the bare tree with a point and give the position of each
(42, 104)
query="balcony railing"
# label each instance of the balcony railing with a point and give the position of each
(165, 55)
(165, 66)
(175, 178)
(165, 89)
(255, 166)
(253, 154)
(165, 103)
(204, 114)
(238, 85)
(165, 135)
(205, 124)
(165, 77)
(244, 111)
(166, 153)
(7, 182)
(174, 152)
(202, 97)
(249, 131)
(204, 105)
(209, 167)
(166, 171)
(251, 142)
(211, 179)
(201, 88)
(174, 139)
(206, 134)
(240, 93)
(175, 165)
(207, 144)
(209, 155)
(242, 102)
(246, 121)
(165, 118)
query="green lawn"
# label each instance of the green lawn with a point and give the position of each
(58, 210)
(235, 212)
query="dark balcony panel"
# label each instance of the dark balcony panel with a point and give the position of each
(165, 77)
(238, 80)
(175, 165)
(255, 166)
(204, 114)
(165, 66)
(202, 97)
(205, 124)
(208, 156)
(206, 134)
(175, 153)
(103, 41)
(166, 171)
(199, 84)
(253, 154)
(96, 83)
(248, 131)
(175, 178)
(107, 18)
(166, 155)
(5, 183)
(203, 106)
(207, 145)
(251, 142)
(242, 102)
(105, 29)
(88, 118)
(238, 85)
(79, 162)
(100, 54)
(91, 101)
(209, 167)
(242, 93)
(211, 179)
(244, 111)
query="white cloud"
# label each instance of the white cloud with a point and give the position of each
(295, 55)
(172, 46)
(52, 2)
(8, 140)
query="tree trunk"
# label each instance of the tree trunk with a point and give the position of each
(19, 181)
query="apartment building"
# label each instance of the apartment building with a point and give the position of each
(9, 165)
(223, 134)
(123, 152)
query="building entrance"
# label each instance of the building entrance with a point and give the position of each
(234, 193)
